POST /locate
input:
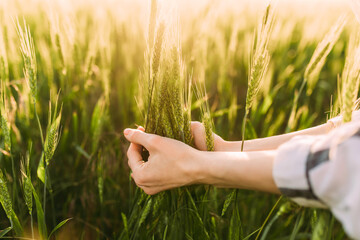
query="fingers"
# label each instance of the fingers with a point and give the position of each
(134, 153)
(139, 137)
(198, 131)
(195, 125)
(151, 190)
(134, 156)
(143, 174)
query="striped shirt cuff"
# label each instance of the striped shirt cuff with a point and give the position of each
(291, 171)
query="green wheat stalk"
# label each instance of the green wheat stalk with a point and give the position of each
(27, 187)
(258, 64)
(97, 123)
(28, 53)
(169, 115)
(321, 52)
(206, 117)
(6, 203)
(155, 62)
(6, 131)
(50, 145)
(152, 23)
(52, 136)
(257, 69)
(316, 64)
(4, 65)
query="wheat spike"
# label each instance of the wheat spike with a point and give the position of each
(164, 88)
(261, 58)
(177, 92)
(28, 194)
(5, 201)
(3, 68)
(4, 124)
(152, 23)
(321, 52)
(206, 118)
(157, 50)
(164, 104)
(209, 137)
(52, 137)
(158, 201)
(59, 50)
(257, 71)
(351, 78)
(4, 65)
(97, 122)
(4, 196)
(187, 113)
(6, 132)
(28, 52)
(146, 211)
(27, 185)
(150, 125)
(187, 127)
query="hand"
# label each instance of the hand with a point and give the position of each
(171, 163)
(198, 132)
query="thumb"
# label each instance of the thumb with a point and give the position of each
(138, 137)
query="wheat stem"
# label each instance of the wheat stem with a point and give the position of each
(152, 24)
(52, 202)
(243, 130)
(44, 191)
(14, 178)
(32, 226)
(291, 120)
(267, 218)
(39, 125)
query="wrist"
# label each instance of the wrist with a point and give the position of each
(208, 167)
(197, 167)
(251, 170)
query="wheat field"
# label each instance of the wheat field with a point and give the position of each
(74, 74)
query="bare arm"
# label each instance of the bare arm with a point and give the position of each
(260, 144)
(173, 164)
(271, 143)
(251, 170)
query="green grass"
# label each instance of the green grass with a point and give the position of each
(82, 72)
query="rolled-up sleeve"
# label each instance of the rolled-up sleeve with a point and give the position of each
(324, 171)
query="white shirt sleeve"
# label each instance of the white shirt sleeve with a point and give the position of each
(324, 171)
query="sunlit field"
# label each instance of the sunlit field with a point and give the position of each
(74, 74)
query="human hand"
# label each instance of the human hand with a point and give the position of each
(198, 132)
(171, 163)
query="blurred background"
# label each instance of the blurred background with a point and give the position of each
(92, 54)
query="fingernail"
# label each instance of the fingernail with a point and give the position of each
(127, 131)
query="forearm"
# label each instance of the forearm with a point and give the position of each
(271, 143)
(251, 170)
